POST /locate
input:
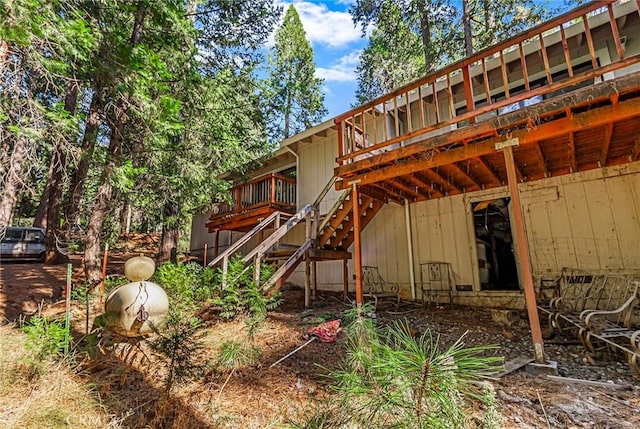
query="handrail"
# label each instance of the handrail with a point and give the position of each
(539, 29)
(293, 259)
(257, 193)
(279, 233)
(333, 210)
(244, 239)
(325, 190)
(439, 88)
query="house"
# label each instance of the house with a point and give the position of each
(475, 183)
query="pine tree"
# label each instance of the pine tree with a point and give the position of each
(295, 101)
(448, 31)
(393, 56)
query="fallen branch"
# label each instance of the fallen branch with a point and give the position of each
(543, 410)
(293, 352)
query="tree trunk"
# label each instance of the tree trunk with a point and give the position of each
(170, 230)
(79, 176)
(105, 191)
(4, 155)
(466, 22)
(56, 180)
(40, 218)
(425, 32)
(127, 220)
(102, 203)
(94, 232)
(490, 22)
(13, 179)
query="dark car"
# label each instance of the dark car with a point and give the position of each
(22, 243)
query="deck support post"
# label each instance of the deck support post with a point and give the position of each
(216, 244)
(307, 280)
(314, 279)
(345, 279)
(523, 256)
(407, 219)
(357, 249)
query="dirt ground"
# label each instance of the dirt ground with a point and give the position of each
(258, 396)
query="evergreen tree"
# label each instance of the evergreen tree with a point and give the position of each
(295, 101)
(393, 55)
(447, 30)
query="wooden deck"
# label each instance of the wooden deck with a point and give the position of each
(549, 93)
(254, 201)
(554, 100)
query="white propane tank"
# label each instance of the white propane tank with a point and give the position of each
(132, 309)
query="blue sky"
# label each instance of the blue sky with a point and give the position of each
(336, 44)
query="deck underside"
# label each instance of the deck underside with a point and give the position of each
(585, 129)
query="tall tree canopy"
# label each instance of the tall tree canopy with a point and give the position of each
(294, 97)
(138, 104)
(417, 36)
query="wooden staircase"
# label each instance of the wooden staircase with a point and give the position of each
(326, 240)
(337, 232)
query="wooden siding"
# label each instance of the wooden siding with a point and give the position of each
(316, 165)
(588, 220)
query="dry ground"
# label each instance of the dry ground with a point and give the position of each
(120, 395)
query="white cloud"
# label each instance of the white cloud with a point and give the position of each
(326, 27)
(343, 70)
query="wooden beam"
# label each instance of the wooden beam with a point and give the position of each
(606, 140)
(490, 170)
(581, 121)
(373, 193)
(357, 248)
(523, 256)
(541, 160)
(435, 176)
(396, 183)
(635, 152)
(216, 245)
(573, 166)
(466, 175)
(421, 185)
(393, 194)
(345, 279)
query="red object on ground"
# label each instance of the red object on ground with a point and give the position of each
(326, 332)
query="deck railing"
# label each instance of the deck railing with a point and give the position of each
(523, 70)
(274, 190)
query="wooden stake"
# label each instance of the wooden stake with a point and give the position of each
(204, 257)
(67, 318)
(314, 279)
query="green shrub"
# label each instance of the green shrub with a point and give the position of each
(242, 296)
(187, 285)
(392, 379)
(180, 342)
(45, 337)
(236, 354)
(112, 282)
